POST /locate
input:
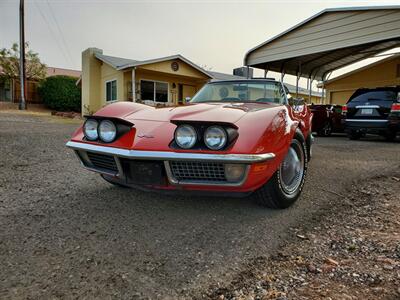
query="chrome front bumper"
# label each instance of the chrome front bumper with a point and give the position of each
(81, 150)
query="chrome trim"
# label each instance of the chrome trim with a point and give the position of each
(366, 120)
(167, 155)
(367, 106)
(120, 173)
(174, 181)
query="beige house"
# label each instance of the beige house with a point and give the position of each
(167, 80)
(385, 72)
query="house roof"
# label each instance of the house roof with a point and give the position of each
(120, 63)
(391, 57)
(329, 40)
(302, 91)
(115, 62)
(223, 76)
(51, 71)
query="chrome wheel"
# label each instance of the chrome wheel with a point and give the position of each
(291, 170)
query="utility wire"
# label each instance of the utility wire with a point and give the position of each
(59, 30)
(51, 31)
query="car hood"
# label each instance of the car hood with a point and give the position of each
(207, 112)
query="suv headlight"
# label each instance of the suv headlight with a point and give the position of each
(185, 136)
(107, 131)
(90, 129)
(215, 137)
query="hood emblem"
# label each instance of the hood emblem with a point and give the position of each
(145, 136)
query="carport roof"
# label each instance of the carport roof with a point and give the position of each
(329, 40)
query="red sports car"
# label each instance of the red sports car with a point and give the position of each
(232, 138)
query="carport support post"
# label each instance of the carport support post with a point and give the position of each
(22, 76)
(133, 84)
(297, 85)
(309, 80)
(265, 73)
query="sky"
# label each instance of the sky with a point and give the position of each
(213, 34)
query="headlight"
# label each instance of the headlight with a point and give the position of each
(185, 136)
(90, 129)
(234, 172)
(107, 131)
(215, 137)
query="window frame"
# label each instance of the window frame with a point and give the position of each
(154, 90)
(116, 90)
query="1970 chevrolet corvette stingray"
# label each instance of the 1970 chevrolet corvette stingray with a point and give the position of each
(236, 138)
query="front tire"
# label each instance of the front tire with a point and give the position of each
(285, 186)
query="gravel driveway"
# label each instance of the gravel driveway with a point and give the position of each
(65, 233)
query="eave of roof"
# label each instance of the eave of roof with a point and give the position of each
(124, 63)
(391, 57)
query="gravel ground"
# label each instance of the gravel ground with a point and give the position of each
(65, 233)
(353, 253)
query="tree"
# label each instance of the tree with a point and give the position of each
(61, 93)
(9, 63)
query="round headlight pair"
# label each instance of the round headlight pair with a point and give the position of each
(106, 130)
(215, 137)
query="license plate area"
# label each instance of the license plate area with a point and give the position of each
(367, 111)
(144, 172)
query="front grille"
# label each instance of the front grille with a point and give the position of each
(103, 162)
(198, 171)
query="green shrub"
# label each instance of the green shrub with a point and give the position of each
(61, 93)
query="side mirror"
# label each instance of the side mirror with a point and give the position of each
(187, 99)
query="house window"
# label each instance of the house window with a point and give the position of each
(154, 91)
(111, 90)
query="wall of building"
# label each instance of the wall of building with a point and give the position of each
(91, 81)
(172, 80)
(386, 73)
(96, 73)
(108, 73)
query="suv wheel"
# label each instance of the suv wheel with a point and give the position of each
(354, 135)
(390, 136)
(285, 186)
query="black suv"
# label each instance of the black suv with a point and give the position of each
(373, 111)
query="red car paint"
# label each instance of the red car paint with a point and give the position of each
(262, 128)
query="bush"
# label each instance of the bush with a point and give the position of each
(61, 93)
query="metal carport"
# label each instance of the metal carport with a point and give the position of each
(329, 40)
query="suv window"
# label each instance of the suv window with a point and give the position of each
(374, 96)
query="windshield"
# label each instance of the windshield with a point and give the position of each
(241, 91)
(387, 95)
